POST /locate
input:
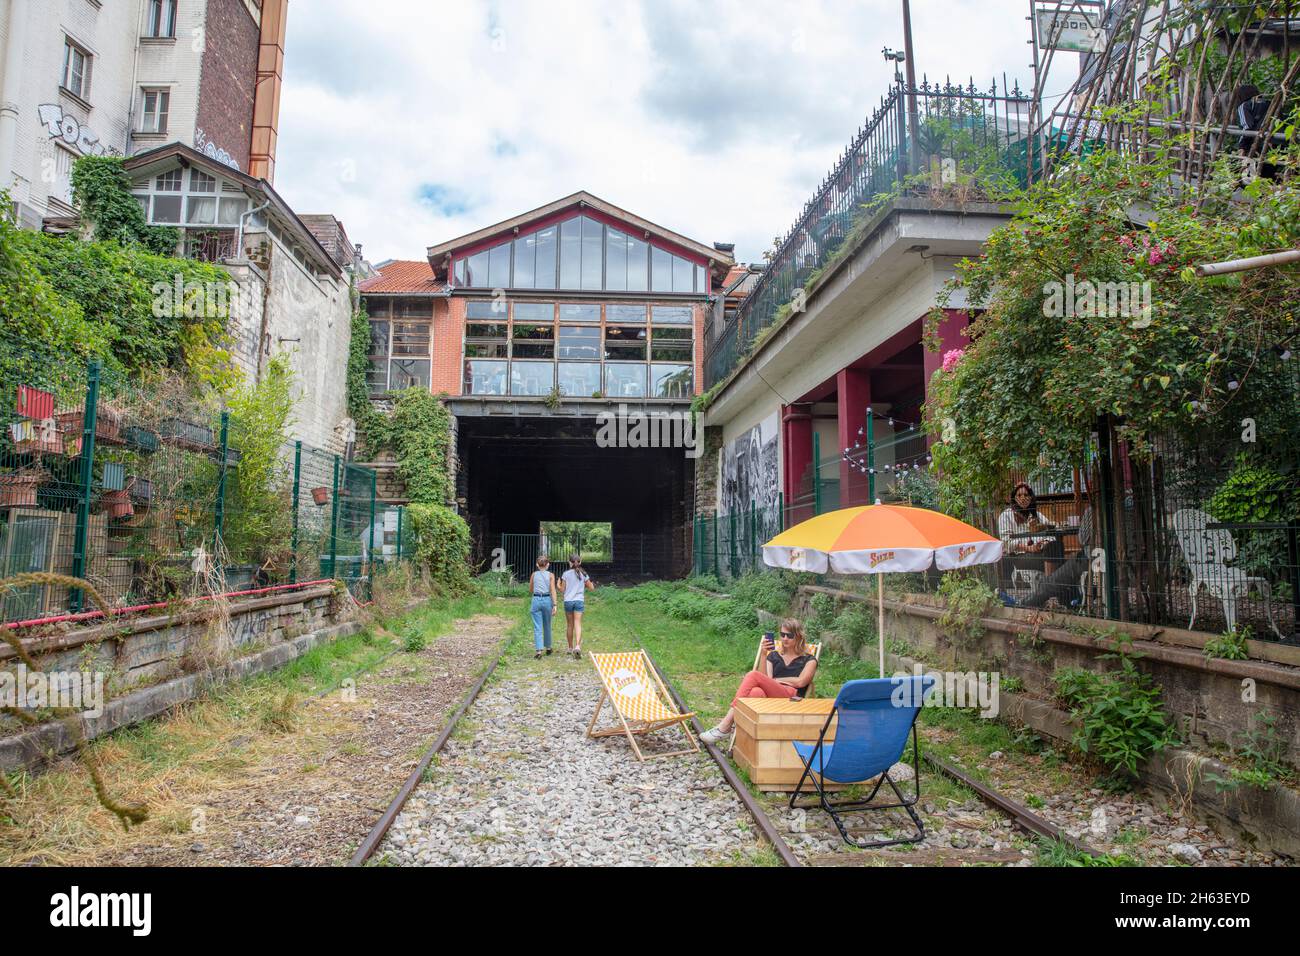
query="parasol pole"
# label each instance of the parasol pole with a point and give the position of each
(880, 627)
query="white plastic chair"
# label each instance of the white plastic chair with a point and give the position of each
(1207, 553)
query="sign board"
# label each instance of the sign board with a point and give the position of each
(1071, 31)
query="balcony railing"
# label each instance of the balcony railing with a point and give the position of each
(985, 134)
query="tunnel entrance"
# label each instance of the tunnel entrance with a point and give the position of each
(518, 474)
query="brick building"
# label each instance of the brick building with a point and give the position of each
(535, 327)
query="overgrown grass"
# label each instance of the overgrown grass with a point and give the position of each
(200, 748)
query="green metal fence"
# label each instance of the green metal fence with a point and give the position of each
(142, 492)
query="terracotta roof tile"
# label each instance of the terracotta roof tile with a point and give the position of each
(403, 277)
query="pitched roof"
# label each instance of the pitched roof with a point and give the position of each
(160, 156)
(581, 198)
(403, 277)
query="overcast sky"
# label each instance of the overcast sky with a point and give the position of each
(415, 121)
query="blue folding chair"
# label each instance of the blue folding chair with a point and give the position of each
(875, 717)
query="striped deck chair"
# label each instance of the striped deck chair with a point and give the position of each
(629, 681)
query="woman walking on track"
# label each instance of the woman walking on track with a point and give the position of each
(576, 585)
(544, 605)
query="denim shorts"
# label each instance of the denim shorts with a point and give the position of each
(572, 606)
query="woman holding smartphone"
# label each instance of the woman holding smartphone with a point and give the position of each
(788, 670)
(576, 585)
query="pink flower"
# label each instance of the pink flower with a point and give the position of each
(1155, 257)
(951, 358)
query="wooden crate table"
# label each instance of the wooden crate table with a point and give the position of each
(765, 728)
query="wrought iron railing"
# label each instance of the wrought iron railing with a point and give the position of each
(984, 134)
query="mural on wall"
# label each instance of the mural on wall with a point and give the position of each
(64, 126)
(212, 150)
(749, 469)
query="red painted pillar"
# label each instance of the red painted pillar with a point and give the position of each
(853, 386)
(796, 458)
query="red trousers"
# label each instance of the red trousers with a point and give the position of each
(758, 684)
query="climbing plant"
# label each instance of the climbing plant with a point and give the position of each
(418, 432)
(441, 545)
(101, 191)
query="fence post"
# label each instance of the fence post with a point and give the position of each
(817, 474)
(716, 567)
(297, 488)
(1109, 519)
(89, 417)
(334, 523)
(400, 509)
(731, 542)
(220, 511)
(780, 511)
(370, 573)
(871, 458)
(753, 535)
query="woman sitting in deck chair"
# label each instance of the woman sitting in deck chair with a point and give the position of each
(787, 672)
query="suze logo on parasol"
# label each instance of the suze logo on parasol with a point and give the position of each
(879, 557)
(965, 551)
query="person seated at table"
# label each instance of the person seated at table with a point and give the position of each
(788, 670)
(1022, 550)
(1063, 583)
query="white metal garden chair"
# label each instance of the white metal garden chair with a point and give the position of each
(1208, 553)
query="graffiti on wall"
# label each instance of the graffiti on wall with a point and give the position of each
(212, 150)
(66, 127)
(750, 472)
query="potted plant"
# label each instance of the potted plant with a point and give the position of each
(141, 438)
(140, 490)
(18, 488)
(320, 496)
(187, 435)
(108, 424)
(116, 504)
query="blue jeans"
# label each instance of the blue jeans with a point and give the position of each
(541, 612)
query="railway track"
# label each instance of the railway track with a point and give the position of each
(1020, 815)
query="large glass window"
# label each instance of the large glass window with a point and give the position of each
(625, 314)
(672, 381)
(579, 342)
(486, 340)
(638, 265)
(571, 254)
(661, 263)
(408, 373)
(615, 260)
(485, 377)
(534, 312)
(672, 315)
(625, 380)
(580, 379)
(671, 345)
(533, 341)
(499, 266)
(573, 312)
(593, 259)
(494, 309)
(579, 253)
(624, 342)
(544, 274)
(531, 378)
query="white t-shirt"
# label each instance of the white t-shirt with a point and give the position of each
(575, 585)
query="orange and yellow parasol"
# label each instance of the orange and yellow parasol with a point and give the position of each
(877, 539)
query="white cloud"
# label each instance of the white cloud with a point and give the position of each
(717, 120)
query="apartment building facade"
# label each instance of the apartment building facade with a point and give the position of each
(121, 77)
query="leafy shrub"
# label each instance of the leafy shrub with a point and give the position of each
(766, 592)
(1121, 719)
(968, 599)
(822, 617)
(1253, 492)
(706, 582)
(1230, 646)
(441, 545)
(414, 639)
(857, 625)
(688, 606)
